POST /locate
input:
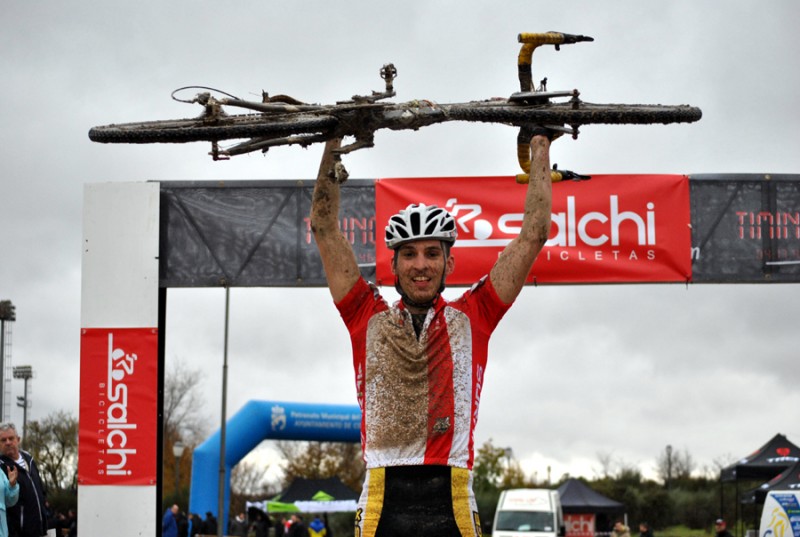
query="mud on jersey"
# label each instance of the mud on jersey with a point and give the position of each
(419, 397)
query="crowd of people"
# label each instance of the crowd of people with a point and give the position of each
(179, 524)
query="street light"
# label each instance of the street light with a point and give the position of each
(24, 372)
(177, 450)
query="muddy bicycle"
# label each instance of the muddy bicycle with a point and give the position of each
(282, 120)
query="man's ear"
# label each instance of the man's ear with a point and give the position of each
(451, 265)
(394, 263)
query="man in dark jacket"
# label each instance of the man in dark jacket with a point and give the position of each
(31, 492)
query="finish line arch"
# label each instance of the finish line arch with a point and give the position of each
(139, 239)
(258, 421)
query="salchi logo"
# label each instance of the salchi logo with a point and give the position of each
(573, 228)
(120, 367)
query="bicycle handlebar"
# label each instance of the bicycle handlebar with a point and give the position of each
(530, 42)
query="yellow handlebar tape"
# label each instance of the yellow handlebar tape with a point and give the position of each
(525, 178)
(529, 44)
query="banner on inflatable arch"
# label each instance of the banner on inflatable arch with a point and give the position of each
(612, 228)
(118, 406)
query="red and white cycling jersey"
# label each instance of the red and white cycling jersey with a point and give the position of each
(419, 397)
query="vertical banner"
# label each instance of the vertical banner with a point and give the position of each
(609, 229)
(118, 406)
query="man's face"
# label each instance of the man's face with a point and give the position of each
(9, 443)
(420, 267)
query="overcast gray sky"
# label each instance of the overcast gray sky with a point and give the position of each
(574, 372)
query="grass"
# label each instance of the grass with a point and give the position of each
(682, 531)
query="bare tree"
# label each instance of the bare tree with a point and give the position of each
(606, 461)
(184, 416)
(249, 479)
(53, 442)
(184, 421)
(319, 460)
(672, 465)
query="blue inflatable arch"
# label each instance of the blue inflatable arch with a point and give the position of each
(264, 420)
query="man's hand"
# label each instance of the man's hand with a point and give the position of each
(526, 140)
(12, 474)
(540, 130)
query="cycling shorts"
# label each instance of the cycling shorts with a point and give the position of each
(423, 501)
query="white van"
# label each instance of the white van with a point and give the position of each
(529, 513)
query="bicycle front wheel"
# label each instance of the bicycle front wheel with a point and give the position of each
(199, 130)
(574, 114)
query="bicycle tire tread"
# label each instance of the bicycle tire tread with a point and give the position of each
(584, 114)
(198, 130)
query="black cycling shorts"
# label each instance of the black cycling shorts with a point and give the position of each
(417, 501)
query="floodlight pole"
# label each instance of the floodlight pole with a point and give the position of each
(221, 483)
(24, 372)
(7, 313)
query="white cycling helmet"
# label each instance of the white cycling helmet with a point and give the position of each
(420, 222)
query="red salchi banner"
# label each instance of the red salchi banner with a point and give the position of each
(609, 229)
(119, 406)
(579, 525)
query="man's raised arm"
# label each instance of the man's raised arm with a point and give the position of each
(338, 258)
(515, 262)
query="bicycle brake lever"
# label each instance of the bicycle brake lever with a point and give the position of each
(573, 38)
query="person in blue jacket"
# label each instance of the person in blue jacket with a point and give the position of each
(169, 524)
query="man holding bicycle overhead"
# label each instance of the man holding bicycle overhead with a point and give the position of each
(419, 363)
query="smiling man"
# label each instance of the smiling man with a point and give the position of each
(419, 363)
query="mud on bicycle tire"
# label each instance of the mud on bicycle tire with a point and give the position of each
(584, 114)
(198, 130)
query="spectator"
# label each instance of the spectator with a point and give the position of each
(31, 492)
(721, 528)
(316, 528)
(644, 530)
(239, 526)
(169, 524)
(297, 528)
(261, 524)
(72, 523)
(620, 530)
(210, 525)
(196, 525)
